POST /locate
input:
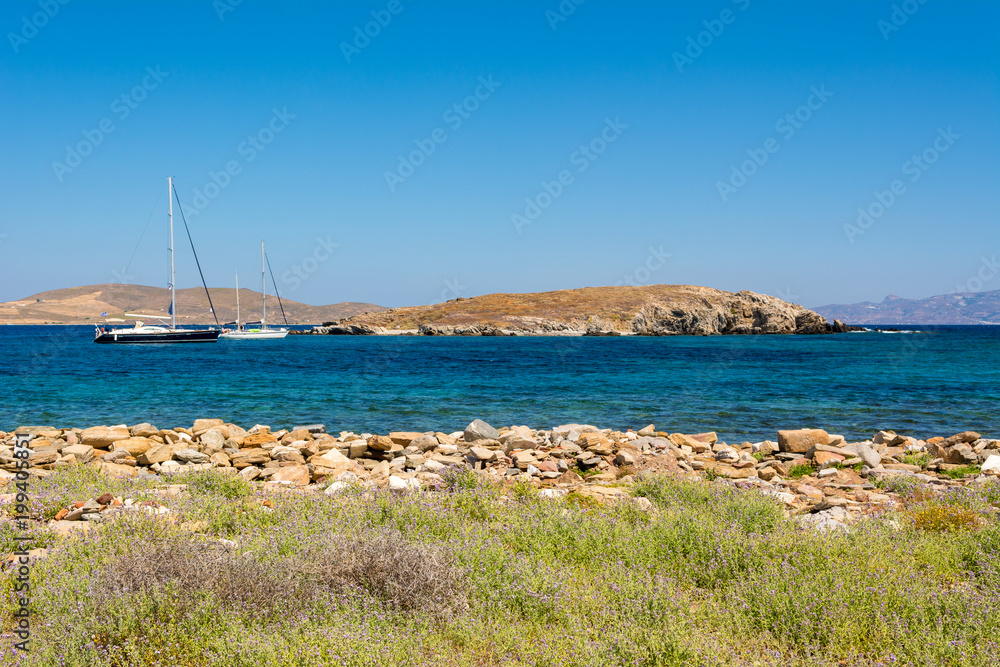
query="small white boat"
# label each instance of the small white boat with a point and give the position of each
(255, 330)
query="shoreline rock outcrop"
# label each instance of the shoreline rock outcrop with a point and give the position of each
(809, 470)
(655, 310)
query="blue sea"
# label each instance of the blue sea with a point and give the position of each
(928, 381)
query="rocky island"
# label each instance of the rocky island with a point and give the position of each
(654, 310)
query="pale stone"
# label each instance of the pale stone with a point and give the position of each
(799, 441)
(82, 453)
(403, 484)
(133, 446)
(296, 475)
(157, 454)
(188, 455)
(480, 430)
(100, 437)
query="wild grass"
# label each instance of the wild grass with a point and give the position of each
(484, 574)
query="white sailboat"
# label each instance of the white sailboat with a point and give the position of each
(142, 333)
(254, 330)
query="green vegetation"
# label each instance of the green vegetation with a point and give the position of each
(961, 471)
(921, 459)
(488, 574)
(801, 470)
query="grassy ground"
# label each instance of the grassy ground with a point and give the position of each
(484, 575)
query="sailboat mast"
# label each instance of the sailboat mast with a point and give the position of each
(263, 290)
(173, 290)
(237, 299)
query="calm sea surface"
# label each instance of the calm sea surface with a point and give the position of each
(937, 381)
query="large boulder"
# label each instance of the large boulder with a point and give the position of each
(134, 445)
(82, 453)
(801, 440)
(262, 437)
(865, 452)
(958, 438)
(157, 454)
(480, 430)
(213, 440)
(294, 475)
(100, 437)
(202, 425)
(253, 456)
(380, 443)
(143, 430)
(188, 455)
(404, 437)
(330, 464)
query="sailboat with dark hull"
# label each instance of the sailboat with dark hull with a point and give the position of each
(145, 334)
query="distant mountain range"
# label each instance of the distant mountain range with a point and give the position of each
(84, 305)
(959, 308)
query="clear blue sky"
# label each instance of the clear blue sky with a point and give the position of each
(678, 126)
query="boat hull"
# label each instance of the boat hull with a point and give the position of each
(266, 334)
(158, 337)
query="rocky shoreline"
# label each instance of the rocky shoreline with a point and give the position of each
(820, 476)
(656, 310)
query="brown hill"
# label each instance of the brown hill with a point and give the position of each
(84, 305)
(649, 310)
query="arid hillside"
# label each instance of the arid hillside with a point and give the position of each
(649, 310)
(84, 305)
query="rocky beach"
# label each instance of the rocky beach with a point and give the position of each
(811, 472)
(215, 543)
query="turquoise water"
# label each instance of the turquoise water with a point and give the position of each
(744, 387)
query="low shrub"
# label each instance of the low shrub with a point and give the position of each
(400, 573)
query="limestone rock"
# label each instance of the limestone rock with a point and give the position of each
(866, 452)
(403, 484)
(188, 455)
(135, 445)
(380, 443)
(143, 430)
(157, 454)
(249, 457)
(799, 441)
(82, 453)
(296, 475)
(480, 430)
(202, 425)
(263, 436)
(100, 437)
